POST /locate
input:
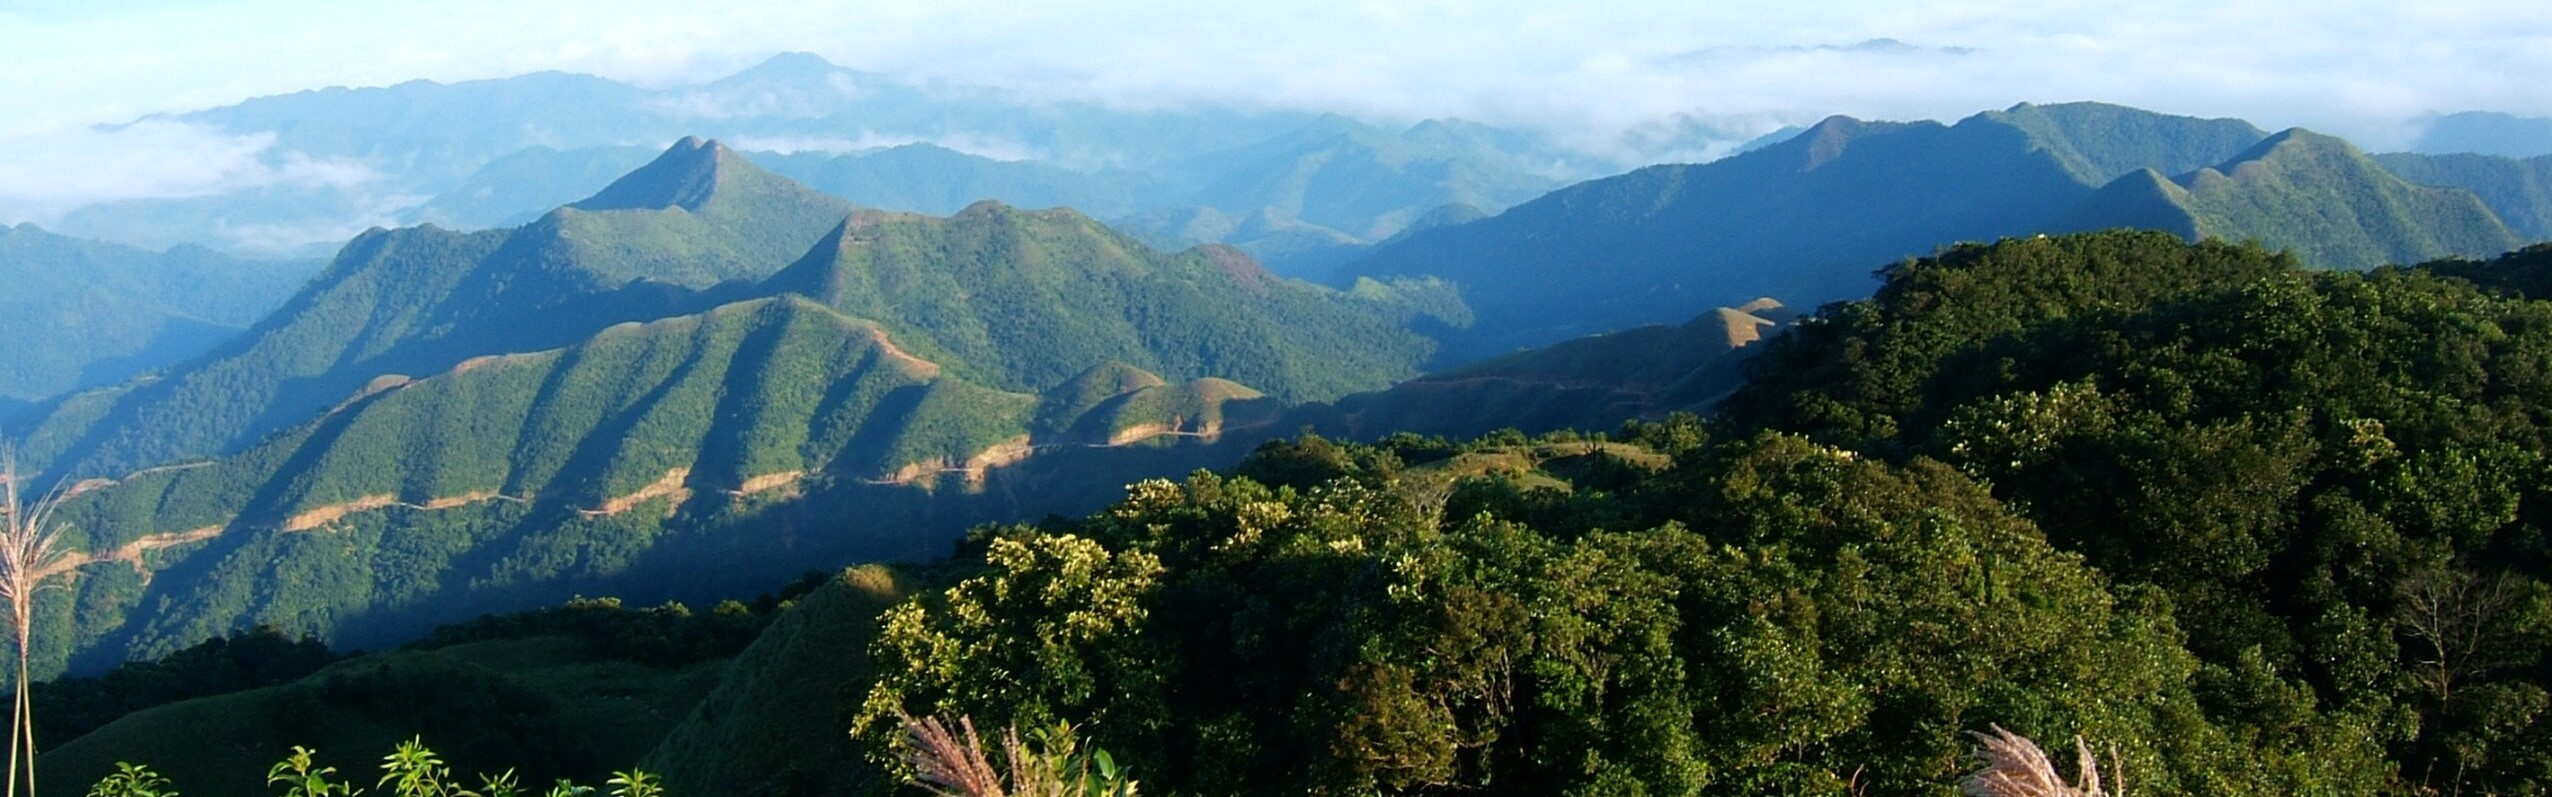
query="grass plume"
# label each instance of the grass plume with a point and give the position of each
(2010, 765)
(953, 765)
(30, 553)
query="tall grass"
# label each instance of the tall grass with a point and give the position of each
(2010, 765)
(953, 765)
(30, 554)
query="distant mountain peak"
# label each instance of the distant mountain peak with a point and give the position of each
(686, 176)
(788, 67)
(1829, 138)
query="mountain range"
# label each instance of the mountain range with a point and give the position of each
(703, 362)
(1806, 219)
(500, 152)
(706, 362)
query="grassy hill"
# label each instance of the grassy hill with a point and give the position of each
(573, 691)
(774, 724)
(77, 314)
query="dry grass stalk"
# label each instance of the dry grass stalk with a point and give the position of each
(949, 766)
(2013, 766)
(30, 552)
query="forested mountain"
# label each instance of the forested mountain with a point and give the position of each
(636, 384)
(2519, 191)
(77, 313)
(2311, 194)
(1804, 218)
(419, 301)
(1026, 299)
(2232, 516)
(2233, 520)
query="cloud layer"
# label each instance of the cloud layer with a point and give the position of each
(1581, 72)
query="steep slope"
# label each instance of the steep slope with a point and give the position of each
(417, 301)
(573, 691)
(1024, 300)
(2519, 191)
(2315, 195)
(76, 314)
(773, 725)
(1802, 219)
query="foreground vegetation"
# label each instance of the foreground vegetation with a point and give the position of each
(2251, 529)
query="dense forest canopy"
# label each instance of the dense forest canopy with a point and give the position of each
(2260, 528)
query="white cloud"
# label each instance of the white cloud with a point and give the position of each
(48, 172)
(1584, 72)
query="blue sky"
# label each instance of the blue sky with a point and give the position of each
(1578, 71)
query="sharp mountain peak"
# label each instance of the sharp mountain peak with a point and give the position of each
(688, 175)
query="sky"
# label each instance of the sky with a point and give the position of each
(1581, 72)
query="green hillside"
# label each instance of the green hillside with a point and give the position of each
(2098, 142)
(472, 489)
(2520, 191)
(2314, 195)
(774, 725)
(77, 314)
(419, 301)
(1024, 300)
(761, 435)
